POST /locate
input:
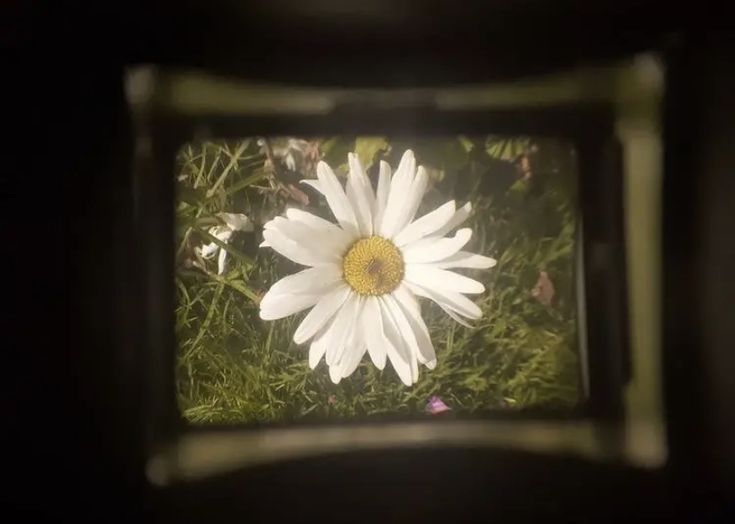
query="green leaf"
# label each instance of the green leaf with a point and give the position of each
(367, 147)
(519, 187)
(466, 143)
(334, 151)
(508, 149)
(441, 154)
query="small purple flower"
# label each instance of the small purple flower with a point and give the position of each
(436, 406)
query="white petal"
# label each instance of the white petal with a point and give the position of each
(399, 356)
(321, 314)
(340, 236)
(318, 346)
(449, 300)
(323, 243)
(297, 292)
(313, 183)
(289, 249)
(466, 259)
(360, 194)
(222, 233)
(311, 220)
(410, 306)
(426, 225)
(335, 373)
(459, 217)
(407, 299)
(273, 224)
(456, 317)
(361, 178)
(432, 249)
(434, 278)
(313, 281)
(349, 365)
(340, 329)
(375, 339)
(236, 221)
(407, 333)
(221, 261)
(415, 195)
(364, 227)
(209, 250)
(381, 196)
(406, 167)
(400, 187)
(409, 204)
(336, 198)
(353, 353)
(399, 213)
(414, 362)
(301, 253)
(273, 307)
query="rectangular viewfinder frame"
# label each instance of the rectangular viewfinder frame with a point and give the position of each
(172, 108)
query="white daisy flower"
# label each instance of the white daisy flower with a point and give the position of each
(366, 271)
(232, 222)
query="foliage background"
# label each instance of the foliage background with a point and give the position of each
(232, 367)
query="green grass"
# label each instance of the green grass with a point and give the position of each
(233, 367)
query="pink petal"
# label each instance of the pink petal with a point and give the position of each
(436, 406)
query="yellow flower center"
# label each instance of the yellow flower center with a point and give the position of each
(373, 266)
